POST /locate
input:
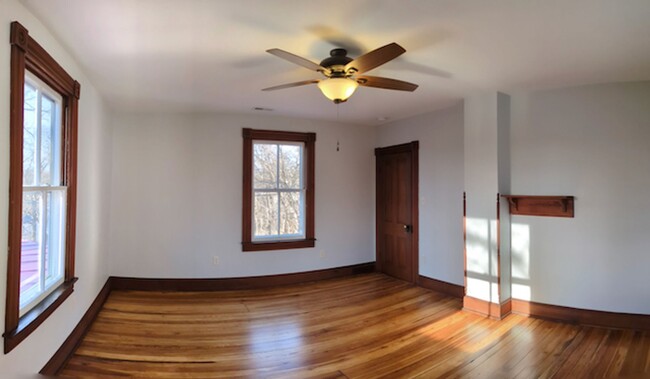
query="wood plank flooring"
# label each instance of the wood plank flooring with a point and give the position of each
(365, 326)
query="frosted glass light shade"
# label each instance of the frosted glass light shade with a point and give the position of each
(338, 89)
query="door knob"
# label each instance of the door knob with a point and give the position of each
(407, 228)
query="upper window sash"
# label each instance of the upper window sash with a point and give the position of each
(301, 168)
(42, 94)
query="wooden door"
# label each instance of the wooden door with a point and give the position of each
(397, 211)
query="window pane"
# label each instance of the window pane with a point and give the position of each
(290, 209)
(48, 108)
(30, 277)
(265, 166)
(290, 166)
(54, 237)
(266, 214)
(29, 134)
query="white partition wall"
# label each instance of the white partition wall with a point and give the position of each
(486, 147)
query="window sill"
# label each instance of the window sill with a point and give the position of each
(35, 317)
(278, 245)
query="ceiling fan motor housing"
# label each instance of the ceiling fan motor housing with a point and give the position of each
(336, 61)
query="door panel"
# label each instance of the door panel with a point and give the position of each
(396, 240)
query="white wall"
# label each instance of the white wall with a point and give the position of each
(481, 174)
(592, 142)
(177, 195)
(92, 204)
(441, 187)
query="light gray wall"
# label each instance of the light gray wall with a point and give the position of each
(94, 169)
(177, 197)
(441, 187)
(481, 175)
(592, 142)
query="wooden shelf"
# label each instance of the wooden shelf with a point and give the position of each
(552, 206)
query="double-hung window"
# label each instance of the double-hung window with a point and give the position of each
(278, 190)
(42, 187)
(44, 194)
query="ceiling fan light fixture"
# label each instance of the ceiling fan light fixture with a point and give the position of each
(341, 71)
(338, 89)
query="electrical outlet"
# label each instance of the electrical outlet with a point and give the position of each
(322, 254)
(215, 260)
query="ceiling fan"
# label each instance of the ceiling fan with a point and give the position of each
(343, 74)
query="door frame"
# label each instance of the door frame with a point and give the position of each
(411, 147)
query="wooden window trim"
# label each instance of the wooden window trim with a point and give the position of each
(27, 54)
(309, 140)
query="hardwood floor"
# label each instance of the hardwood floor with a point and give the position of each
(366, 326)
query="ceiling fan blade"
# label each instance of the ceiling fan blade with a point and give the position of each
(385, 83)
(293, 58)
(289, 85)
(375, 58)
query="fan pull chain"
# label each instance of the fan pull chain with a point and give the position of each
(337, 121)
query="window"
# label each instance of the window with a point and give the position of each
(44, 194)
(278, 195)
(42, 187)
(278, 191)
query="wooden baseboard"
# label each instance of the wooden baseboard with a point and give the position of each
(252, 282)
(486, 308)
(582, 316)
(439, 286)
(63, 354)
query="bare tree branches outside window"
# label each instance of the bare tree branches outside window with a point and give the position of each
(278, 188)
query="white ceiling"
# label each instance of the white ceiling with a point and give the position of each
(209, 55)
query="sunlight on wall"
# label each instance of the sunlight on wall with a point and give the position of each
(478, 257)
(478, 288)
(520, 245)
(495, 296)
(521, 291)
(481, 260)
